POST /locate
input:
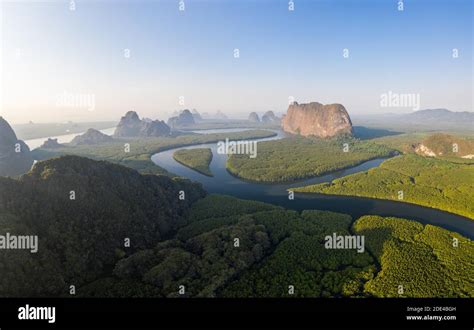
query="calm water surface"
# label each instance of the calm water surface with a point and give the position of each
(224, 183)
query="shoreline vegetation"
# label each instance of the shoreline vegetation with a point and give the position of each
(296, 158)
(141, 149)
(289, 159)
(228, 124)
(279, 246)
(195, 159)
(193, 243)
(425, 181)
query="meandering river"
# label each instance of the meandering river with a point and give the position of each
(224, 183)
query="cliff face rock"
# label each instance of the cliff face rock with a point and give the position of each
(269, 118)
(51, 144)
(317, 119)
(15, 156)
(253, 117)
(130, 125)
(441, 144)
(91, 137)
(155, 128)
(183, 119)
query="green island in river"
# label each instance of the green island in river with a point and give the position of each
(197, 159)
(241, 152)
(192, 243)
(295, 158)
(141, 149)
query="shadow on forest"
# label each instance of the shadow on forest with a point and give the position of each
(375, 239)
(365, 133)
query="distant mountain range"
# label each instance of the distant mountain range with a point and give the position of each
(441, 114)
(423, 120)
(131, 125)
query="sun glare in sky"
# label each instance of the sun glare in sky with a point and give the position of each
(233, 56)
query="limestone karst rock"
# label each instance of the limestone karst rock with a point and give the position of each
(51, 144)
(316, 119)
(269, 118)
(91, 137)
(15, 156)
(184, 118)
(131, 125)
(253, 117)
(196, 115)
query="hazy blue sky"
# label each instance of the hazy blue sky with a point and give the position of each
(49, 51)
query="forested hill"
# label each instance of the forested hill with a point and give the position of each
(83, 212)
(219, 246)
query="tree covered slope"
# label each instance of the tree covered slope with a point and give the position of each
(82, 212)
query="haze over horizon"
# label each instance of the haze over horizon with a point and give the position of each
(50, 52)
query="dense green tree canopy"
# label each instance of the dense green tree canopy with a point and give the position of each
(197, 159)
(297, 157)
(214, 246)
(425, 181)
